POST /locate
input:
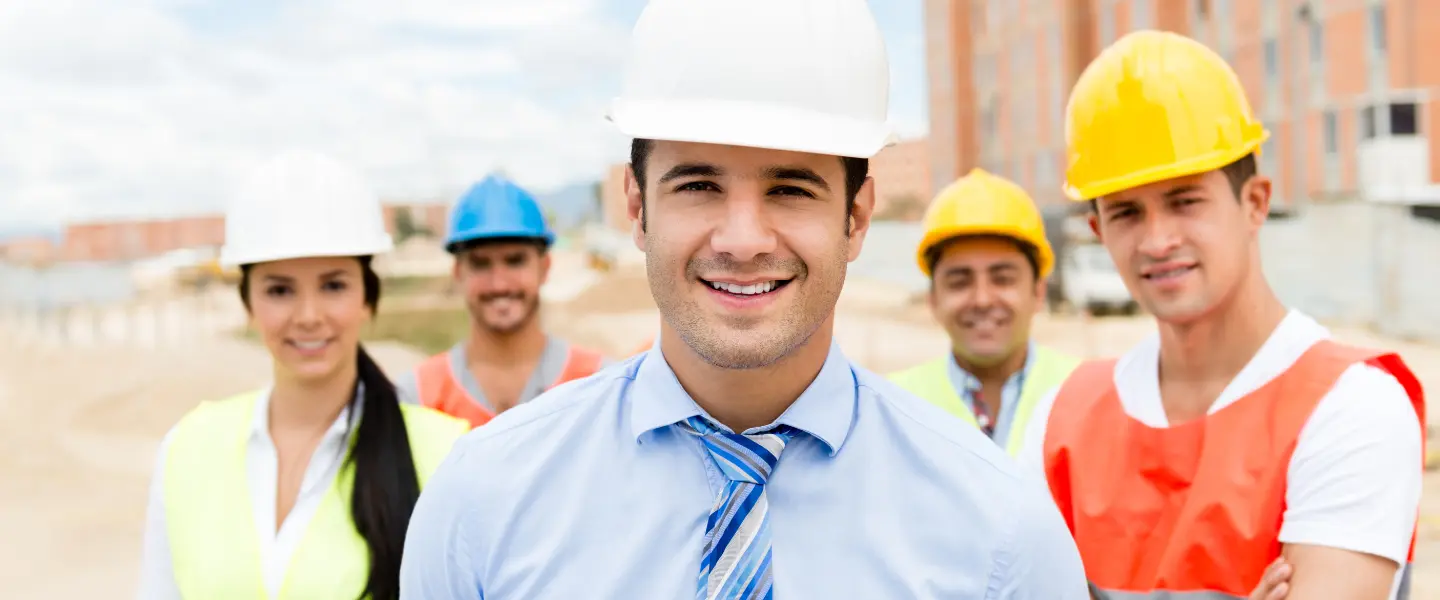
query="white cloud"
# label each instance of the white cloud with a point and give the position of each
(129, 108)
(155, 107)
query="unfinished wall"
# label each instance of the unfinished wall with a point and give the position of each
(1359, 263)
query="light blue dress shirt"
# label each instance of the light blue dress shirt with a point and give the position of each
(589, 492)
(968, 385)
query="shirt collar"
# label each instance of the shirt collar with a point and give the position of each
(825, 410)
(260, 421)
(970, 383)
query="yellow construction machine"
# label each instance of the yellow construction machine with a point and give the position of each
(207, 272)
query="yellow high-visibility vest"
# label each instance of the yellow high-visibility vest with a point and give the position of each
(214, 551)
(931, 380)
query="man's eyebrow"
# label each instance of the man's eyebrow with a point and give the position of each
(797, 174)
(690, 170)
(1184, 189)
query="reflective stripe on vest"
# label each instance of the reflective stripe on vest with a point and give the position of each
(931, 380)
(211, 526)
(1196, 507)
(440, 389)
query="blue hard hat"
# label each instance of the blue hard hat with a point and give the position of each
(496, 208)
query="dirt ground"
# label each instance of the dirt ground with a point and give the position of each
(79, 427)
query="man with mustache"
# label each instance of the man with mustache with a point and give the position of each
(744, 457)
(1239, 450)
(501, 243)
(987, 258)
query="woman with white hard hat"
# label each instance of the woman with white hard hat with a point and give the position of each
(303, 489)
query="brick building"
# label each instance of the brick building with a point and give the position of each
(1342, 85)
(28, 249)
(129, 240)
(122, 240)
(901, 172)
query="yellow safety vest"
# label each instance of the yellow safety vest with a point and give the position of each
(213, 546)
(931, 380)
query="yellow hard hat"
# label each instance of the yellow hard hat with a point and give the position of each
(983, 204)
(1153, 106)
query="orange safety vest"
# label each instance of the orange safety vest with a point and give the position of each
(441, 390)
(1196, 507)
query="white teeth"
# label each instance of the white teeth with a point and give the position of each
(1170, 273)
(744, 290)
(310, 345)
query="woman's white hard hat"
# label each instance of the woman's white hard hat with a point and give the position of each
(800, 75)
(301, 204)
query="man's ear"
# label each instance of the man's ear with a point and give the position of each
(1255, 196)
(635, 208)
(860, 214)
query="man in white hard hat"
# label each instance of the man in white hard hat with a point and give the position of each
(752, 122)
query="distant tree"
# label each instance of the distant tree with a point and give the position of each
(598, 191)
(406, 227)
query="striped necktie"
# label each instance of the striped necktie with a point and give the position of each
(735, 564)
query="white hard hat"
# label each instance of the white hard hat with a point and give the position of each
(303, 204)
(801, 75)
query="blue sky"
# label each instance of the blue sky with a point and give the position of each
(157, 107)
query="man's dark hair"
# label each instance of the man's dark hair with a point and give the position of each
(1238, 173)
(1032, 254)
(460, 247)
(856, 169)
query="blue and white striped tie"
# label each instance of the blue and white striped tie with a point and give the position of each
(735, 564)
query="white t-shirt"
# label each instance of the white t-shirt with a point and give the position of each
(1355, 477)
(157, 575)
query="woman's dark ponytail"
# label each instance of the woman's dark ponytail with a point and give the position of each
(386, 484)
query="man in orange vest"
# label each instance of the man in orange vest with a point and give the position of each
(500, 241)
(1240, 437)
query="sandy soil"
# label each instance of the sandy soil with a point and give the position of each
(79, 426)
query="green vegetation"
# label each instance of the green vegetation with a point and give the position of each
(430, 330)
(406, 227)
(407, 287)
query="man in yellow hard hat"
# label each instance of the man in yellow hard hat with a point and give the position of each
(987, 258)
(1239, 438)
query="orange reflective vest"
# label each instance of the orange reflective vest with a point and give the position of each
(441, 390)
(1196, 507)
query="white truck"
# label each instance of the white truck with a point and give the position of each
(1091, 282)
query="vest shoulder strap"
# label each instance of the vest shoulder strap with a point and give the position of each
(1089, 382)
(1049, 370)
(579, 364)
(433, 380)
(930, 381)
(432, 434)
(1327, 360)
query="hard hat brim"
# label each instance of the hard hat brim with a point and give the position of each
(230, 257)
(480, 235)
(939, 237)
(1161, 172)
(749, 124)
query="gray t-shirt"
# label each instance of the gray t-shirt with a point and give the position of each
(552, 364)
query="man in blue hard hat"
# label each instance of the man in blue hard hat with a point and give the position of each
(501, 243)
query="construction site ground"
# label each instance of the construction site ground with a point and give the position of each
(79, 427)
